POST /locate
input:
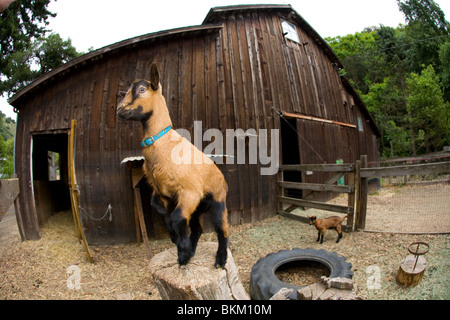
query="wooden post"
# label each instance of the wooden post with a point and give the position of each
(357, 194)
(74, 195)
(351, 201)
(138, 203)
(199, 279)
(363, 187)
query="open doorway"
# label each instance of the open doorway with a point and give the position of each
(50, 175)
(290, 154)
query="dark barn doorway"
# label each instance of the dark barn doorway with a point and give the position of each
(290, 154)
(50, 175)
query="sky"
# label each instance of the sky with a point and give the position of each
(98, 23)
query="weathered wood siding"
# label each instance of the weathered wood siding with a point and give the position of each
(234, 75)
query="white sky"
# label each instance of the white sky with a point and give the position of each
(98, 23)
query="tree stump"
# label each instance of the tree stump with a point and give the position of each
(199, 279)
(410, 273)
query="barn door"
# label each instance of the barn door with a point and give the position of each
(74, 195)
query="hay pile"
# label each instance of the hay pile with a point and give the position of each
(38, 269)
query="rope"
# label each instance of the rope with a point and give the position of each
(108, 211)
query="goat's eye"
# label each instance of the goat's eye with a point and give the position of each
(141, 90)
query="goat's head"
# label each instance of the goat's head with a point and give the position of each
(312, 219)
(142, 98)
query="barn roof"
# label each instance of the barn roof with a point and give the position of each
(111, 49)
(211, 23)
(218, 13)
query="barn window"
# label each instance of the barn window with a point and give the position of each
(360, 124)
(289, 31)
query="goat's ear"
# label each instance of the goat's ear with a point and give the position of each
(154, 76)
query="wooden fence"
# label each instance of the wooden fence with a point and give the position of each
(329, 185)
(358, 175)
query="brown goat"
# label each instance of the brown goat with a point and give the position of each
(329, 223)
(182, 190)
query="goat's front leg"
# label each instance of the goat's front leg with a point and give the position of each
(318, 235)
(180, 223)
(161, 208)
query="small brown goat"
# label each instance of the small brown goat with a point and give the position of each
(329, 223)
(182, 190)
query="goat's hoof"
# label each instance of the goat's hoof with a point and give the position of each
(218, 266)
(183, 260)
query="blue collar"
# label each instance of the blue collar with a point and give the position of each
(149, 141)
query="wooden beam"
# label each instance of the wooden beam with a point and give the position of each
(304, 117)
(316, 187)
(346, 167)
(317, 205)
(441, 167)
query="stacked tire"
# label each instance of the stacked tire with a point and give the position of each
(264, 282)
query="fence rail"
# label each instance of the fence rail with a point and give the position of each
(358, 175)
(339, 171)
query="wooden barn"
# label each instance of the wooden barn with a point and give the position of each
(242, 68)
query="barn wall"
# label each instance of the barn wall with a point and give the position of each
(265, 71)
(237, 76)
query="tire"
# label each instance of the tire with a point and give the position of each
(264, 283)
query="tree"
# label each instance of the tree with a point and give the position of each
(42, 56)
(21, 24)
(427, 12)
(51, 52)
(428, 115)
(388, 106)
(355, 52)
(426, 30)
(444, 56)
(26, 52)
(6, 146)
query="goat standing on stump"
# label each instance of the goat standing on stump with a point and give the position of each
(182, 190)
(329, 223)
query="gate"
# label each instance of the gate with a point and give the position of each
(339, 171)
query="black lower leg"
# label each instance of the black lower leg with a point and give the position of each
(196, 232)
(217, 210)
(339, 237)
(180, 227)
(221, 255)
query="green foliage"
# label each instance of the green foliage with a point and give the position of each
(26, 52)
(428, 115)
(403, 76)
(444, 57)
(6, 146)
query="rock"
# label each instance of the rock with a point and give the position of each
(283, 294)
(330, 289)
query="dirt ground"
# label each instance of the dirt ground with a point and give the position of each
(406, 209)
(410, 209)
(49, 268)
